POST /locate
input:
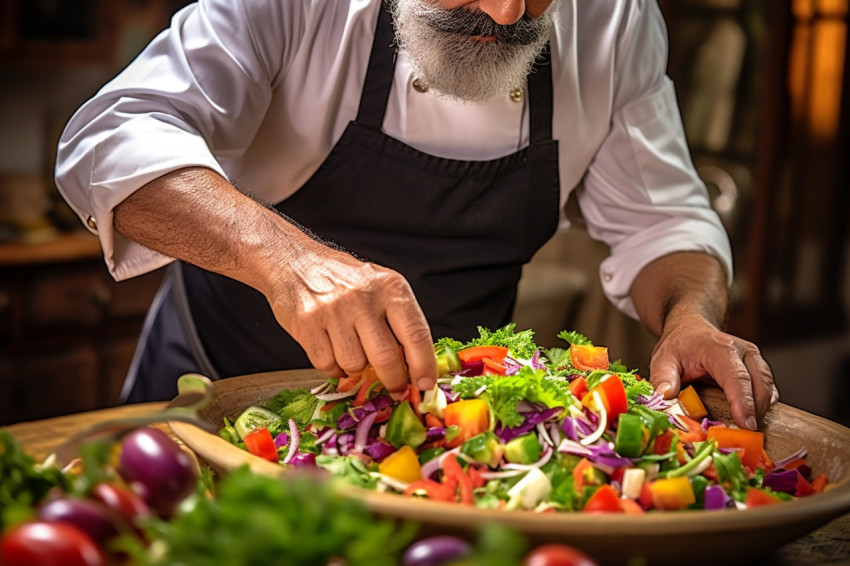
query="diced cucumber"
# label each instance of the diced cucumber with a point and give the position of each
(255, 417)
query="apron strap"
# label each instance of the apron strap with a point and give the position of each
(540, 99)
(379, 74)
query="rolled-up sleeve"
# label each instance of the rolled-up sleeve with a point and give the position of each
(642, 195)
(194, 97)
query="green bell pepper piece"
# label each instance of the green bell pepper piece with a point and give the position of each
(629, 441)
(404, 427)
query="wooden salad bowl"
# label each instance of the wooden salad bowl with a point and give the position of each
(690, 537)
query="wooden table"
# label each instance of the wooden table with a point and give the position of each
(829, 545)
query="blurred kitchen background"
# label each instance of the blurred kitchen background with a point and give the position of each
(763, 86)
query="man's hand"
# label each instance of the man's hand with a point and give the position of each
(346, 313)
(343, 312)
(682, 298)
(690, 348)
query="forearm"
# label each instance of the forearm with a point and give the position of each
(344, 312)
(678, 286)
(196, 216)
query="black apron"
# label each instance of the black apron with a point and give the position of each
(459, 231)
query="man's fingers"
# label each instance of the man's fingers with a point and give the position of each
(761, 378)
(411, 329)
(734, 377)
(384, 353)
(317, 345)
(347, 349)
(665, 376)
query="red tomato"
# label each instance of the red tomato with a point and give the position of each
(589, 358)
(554, 554)
(603, 500)
(260, 443)
(760, 498)
(49, 544)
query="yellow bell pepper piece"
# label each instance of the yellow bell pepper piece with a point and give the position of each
(403, 465)
(691, 403)
(672, 493)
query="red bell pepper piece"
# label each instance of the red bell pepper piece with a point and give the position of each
(454, 474)
(613, 396)
(434, 491)
(494, 367)
(260, 443)
(478, 353)
(804, 488)
(578, 387)
(368, 383)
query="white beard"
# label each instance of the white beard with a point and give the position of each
(456, 64)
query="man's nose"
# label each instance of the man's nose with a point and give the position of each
(503, 12)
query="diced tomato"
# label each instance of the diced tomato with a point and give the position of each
(819, 483)
(695, 433)
(471, 415)
(760, 498)
(433, 490)
(475, 475)
(804, 488)
(794, 464)
(478, 353)
(383, 415)
(369, 383)
(589, 358)
(631, 507)
(750, 441)
(645, 497)
(260, 443)
(662, 442)
(433, 421)
(349, 382)
(710, 473)
(578, 387)
(452, 472)
(604, 500)
(578, 473)
(330, 405)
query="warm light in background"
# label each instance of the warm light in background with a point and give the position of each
(816, 65)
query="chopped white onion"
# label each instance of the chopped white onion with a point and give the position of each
(337, 395)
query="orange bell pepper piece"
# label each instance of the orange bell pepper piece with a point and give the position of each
(471, 415)
(750, 441)
(672, 493)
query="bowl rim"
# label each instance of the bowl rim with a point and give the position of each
(821, 508)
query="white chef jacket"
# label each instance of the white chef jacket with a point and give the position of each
(261, 90)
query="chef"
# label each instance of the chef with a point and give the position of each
(340, 182)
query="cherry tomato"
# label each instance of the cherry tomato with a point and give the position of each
(554, 554)
(49, 544)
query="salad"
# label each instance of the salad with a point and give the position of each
(513, 426)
